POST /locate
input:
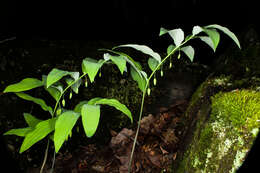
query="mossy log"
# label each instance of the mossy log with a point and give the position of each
(224, 123)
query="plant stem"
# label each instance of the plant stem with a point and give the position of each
(53, 114)
(137, 131)
(45, 156)
(142, 103)
(57, 102)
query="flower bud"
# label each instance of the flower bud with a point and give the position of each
(161, 73)
(179, 56)
(63, 103)
(170, 65)
(154, 81)
(148, 91)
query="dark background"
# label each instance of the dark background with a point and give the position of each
(119, 19)
(130, 21)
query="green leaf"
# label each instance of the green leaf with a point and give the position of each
(24, 85)
(19, 132)
(75, 77)
(130, 60)
(54, 90)
(208, 41)
(31, 120)
(55, 75)
(211, 32)
(41, 130)
(214, 36)
(144, 49)
(91, 66)
(119, 61)
(189, 51)
(90, 118)
(79, 106)
(138, 78)
(170, 49)
(64, 124)
(177, 36)
(94, 100)
(227, 32)
(90, 102)
(35, 100)
(116, 104)
(152, 63)
(163, 31)
(196, 30)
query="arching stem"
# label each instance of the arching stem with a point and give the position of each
(142, 103)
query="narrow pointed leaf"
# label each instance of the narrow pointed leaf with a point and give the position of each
(19, 132)
(63, 127)
(120, 62)
(35, 100)
(31, 120)
(91, 66)
(177, 36)
(138, 78)
(152, 63)
(75, 86)
(116, 104)
(227, 32)
(196, 30)
(41, 130)
(189, 51)
(54, 76)
(163, 31)
(208, 41)
(94, 100)
(144, 49)
(170, 49)
(54, 90)
(24, 85)
(214, 36)
(130, 60)
(90, 118)
(74, 77)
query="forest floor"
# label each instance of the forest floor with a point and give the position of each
(156, 150)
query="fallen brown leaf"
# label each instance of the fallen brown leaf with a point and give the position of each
(164, 151)
(155, 158)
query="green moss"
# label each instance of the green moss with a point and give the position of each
(241, 108)
(221, 140)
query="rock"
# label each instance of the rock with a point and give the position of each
(223, 125)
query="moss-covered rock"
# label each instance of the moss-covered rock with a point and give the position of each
(222, 127)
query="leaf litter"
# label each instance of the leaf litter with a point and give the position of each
(156, 149)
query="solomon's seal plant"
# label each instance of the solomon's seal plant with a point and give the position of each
(208, 34)
(59, 126)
